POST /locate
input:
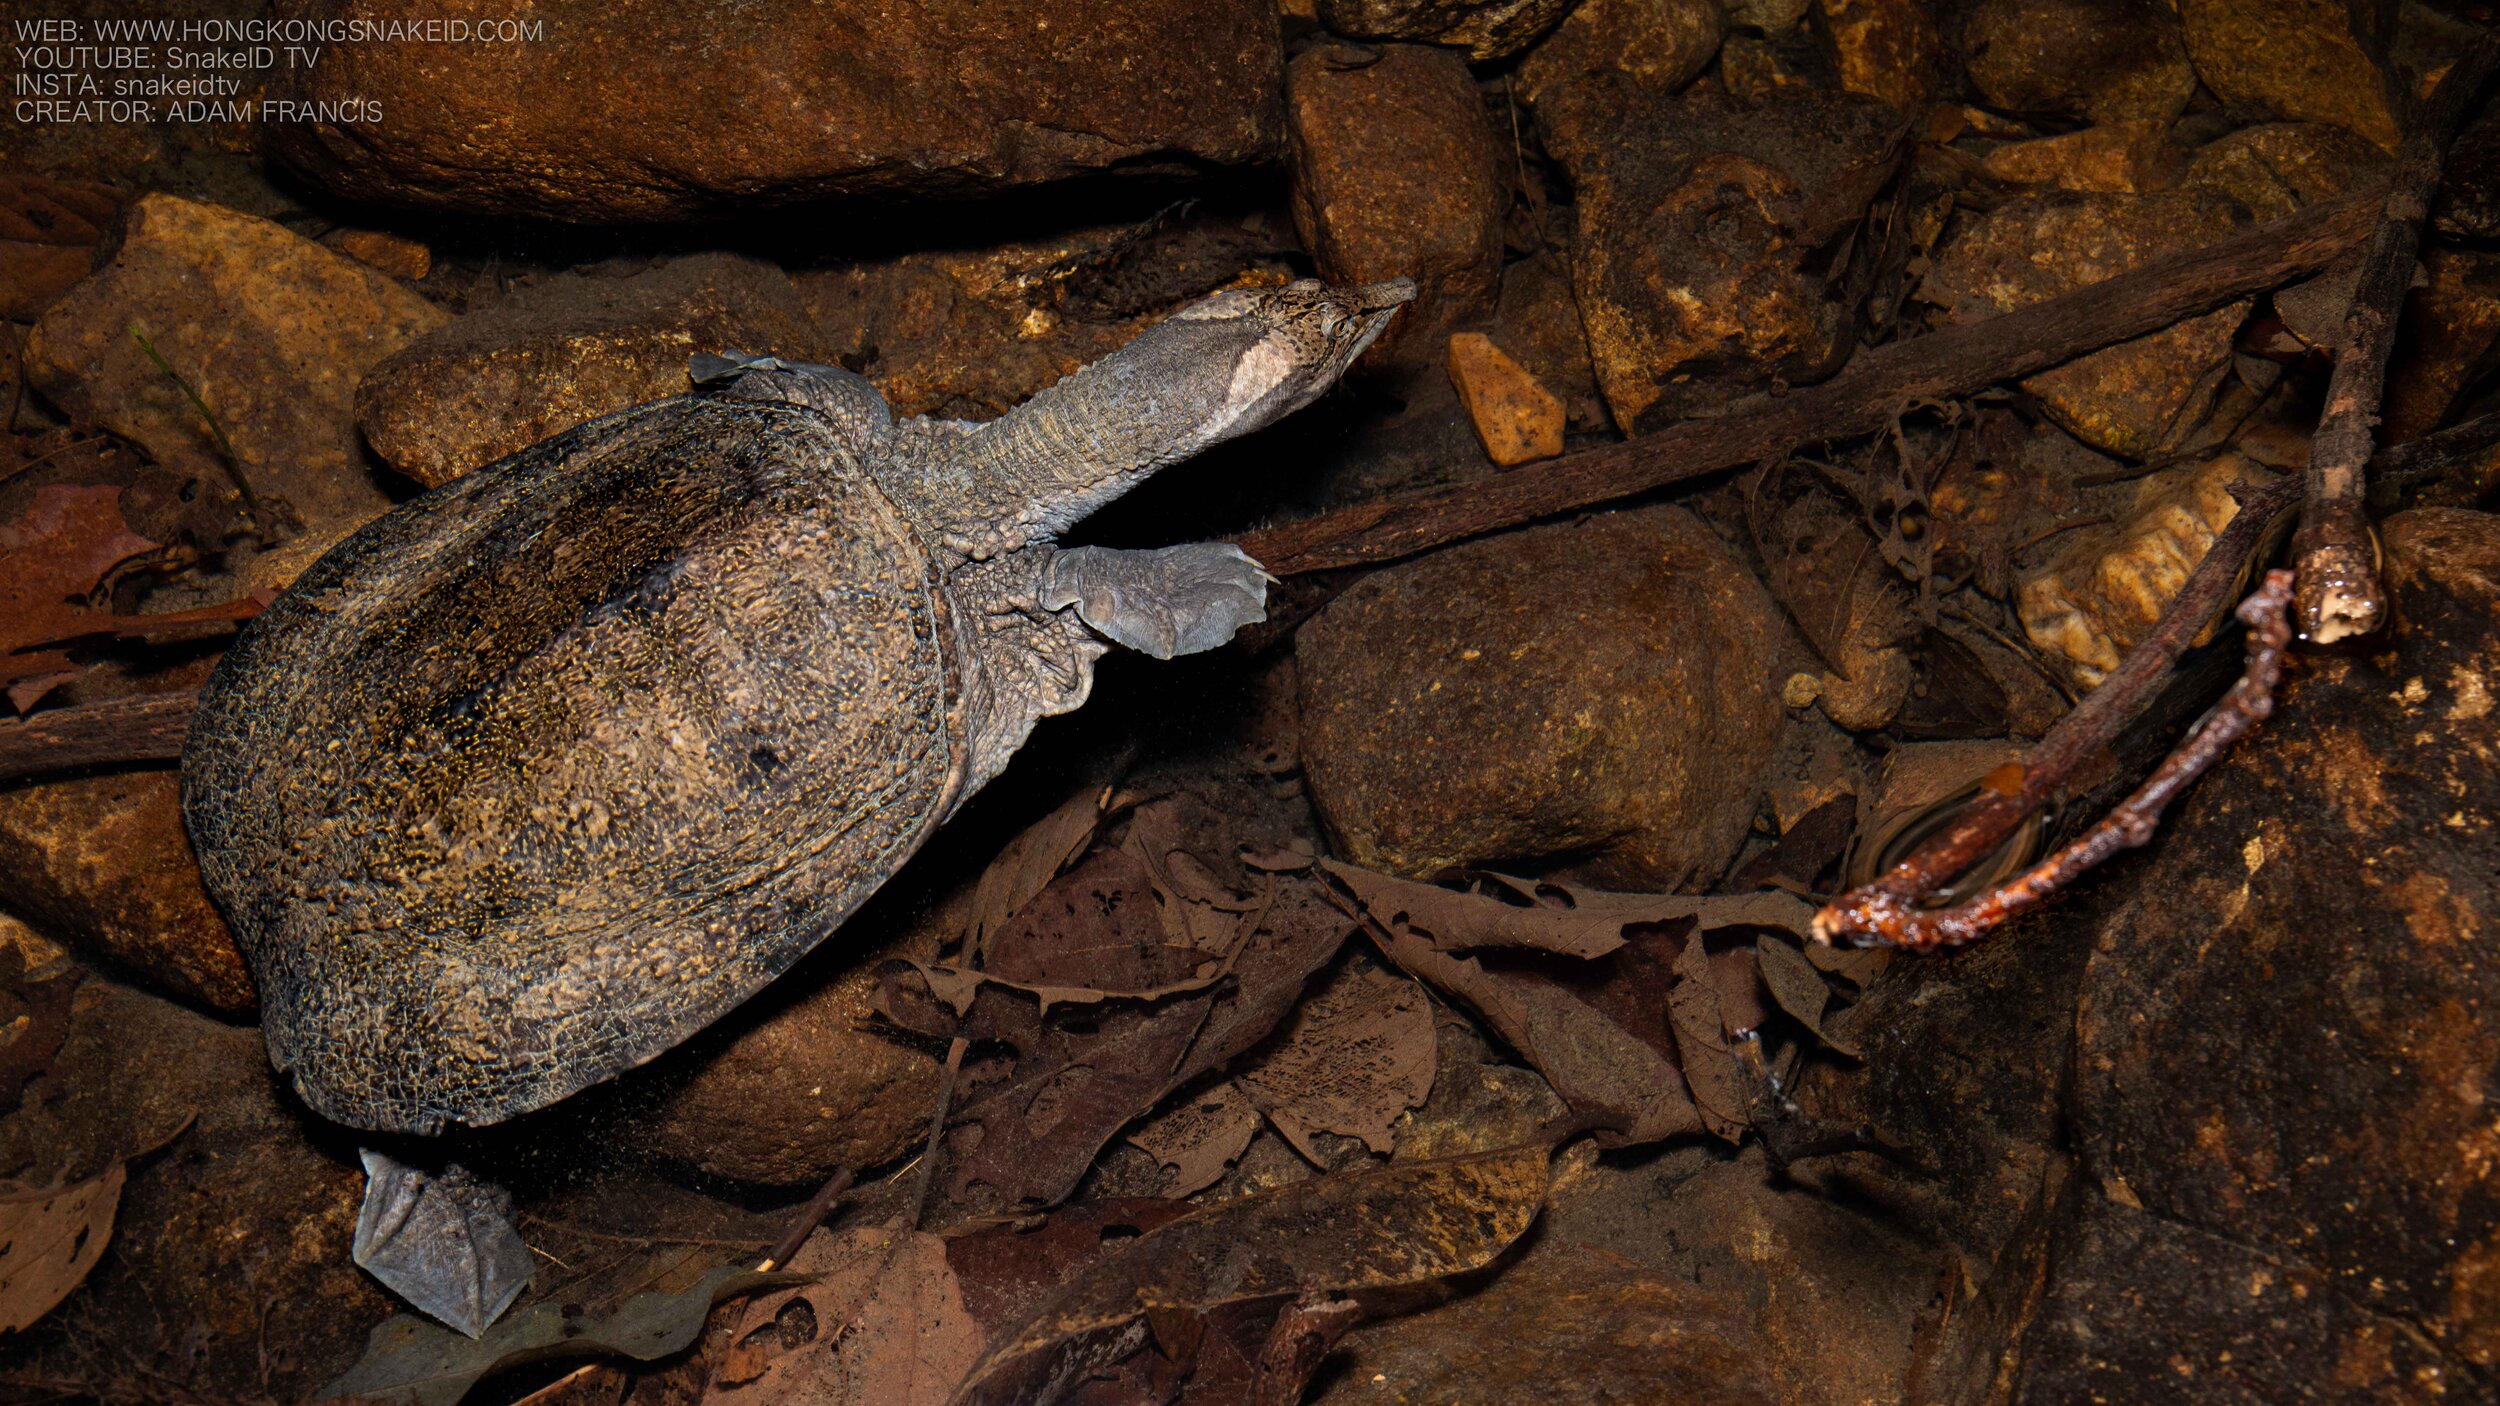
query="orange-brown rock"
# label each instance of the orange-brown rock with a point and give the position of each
(1697, 220)
(394, 254)
(1395, 174)
(657, 111)
(2100, 60)
(1887, 49)
(2300, 60)
(2123, 158)
(1538, 323)
(2132, 398)
(569, 349)
(102, 864)
(1657, 46)
(1604, 689)
(2275, 168)
(1518, 419)
(2450, 339)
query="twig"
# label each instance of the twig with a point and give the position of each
(2452, 467)
(147, 727)
(1861, 399)
(2094, 723)
(1871, 913)
(2339, 594)
(810, 1216)
(937, 1130)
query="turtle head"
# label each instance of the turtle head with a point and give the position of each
(1257, 355)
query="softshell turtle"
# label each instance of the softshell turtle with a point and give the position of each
(542, 772)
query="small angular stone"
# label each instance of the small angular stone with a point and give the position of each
(1887, 49)
(2122, 158)
(1518, 419)
(396, 255)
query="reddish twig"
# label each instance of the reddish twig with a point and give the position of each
(2337, 558)
(1873, 914)
(2093, 724)
(147, 727)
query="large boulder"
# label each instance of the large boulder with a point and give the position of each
(582, 110)
(1605, 691)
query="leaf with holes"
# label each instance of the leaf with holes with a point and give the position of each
(52, 1239)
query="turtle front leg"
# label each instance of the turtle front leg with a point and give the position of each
(1165, 602)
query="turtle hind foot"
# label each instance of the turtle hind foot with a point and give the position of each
(1165, 602)
(442, 1241)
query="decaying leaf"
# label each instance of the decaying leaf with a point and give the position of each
(1029, 862)
(1355, 1055)
(1071, 1077)
(1702, 1043)
(1199, 1137)
(49, 1240)
(1496, 910)
(884, 1324)
(1799, 989)
(411, 1362)
(52, 558)
(1404, 1223)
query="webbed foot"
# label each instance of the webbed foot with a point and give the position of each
(442, 1241)
(1165, 602)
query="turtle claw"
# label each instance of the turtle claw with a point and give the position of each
(1166, 602)
(442, 1241)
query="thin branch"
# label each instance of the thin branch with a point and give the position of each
(2083, 733)
(1871, 915)
(2340, 594)
(1861, 399)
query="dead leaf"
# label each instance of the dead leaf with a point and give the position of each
(1355, 1055)
(1701, 1044)
(1029, 862)
(884, 1324)
(411, 1362)
(49, 1240)
(51, 560)
(1199, 1137)
(1404, 1223)
(1500, 911)
(1799, 989)
(1070, 1078)
(1631, 1086)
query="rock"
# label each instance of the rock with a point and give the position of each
(2108, 586)
(2301, 60)
(656, 112)
(2098, 60)
(2134, 398)
(2452, 329)
(396, 255)
(1656, 46)
(570, 349)
(2468, 203)
(229, 1269)
(1395, 175)
(2123, 158)
(1518, 419)
(1538, 323)
(970, 335)
(271, 330)
(102, 864)
(1887, 49)
(788, 1094)
(2275, 168)
(1698, 219)
(1750, 69)
(1603, 690)
(1486, 29)
(2287, 1041)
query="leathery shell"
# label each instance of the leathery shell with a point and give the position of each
(542, 772)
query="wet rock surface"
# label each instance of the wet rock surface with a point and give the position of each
(272, 332)
(2132, 398)
(571, 348)
(102, 863)
(1395, 176)
(598, 120)
(1698, 217)
(2306, 61)
(1610, 685)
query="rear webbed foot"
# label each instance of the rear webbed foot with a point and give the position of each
(1165, 602)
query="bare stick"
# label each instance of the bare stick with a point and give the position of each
(1872, 914)
(1864, 397)
(810, 1216)
(2339, 593)
(147, 727)
(2093, 725)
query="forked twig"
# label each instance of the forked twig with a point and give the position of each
(1878, 914)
